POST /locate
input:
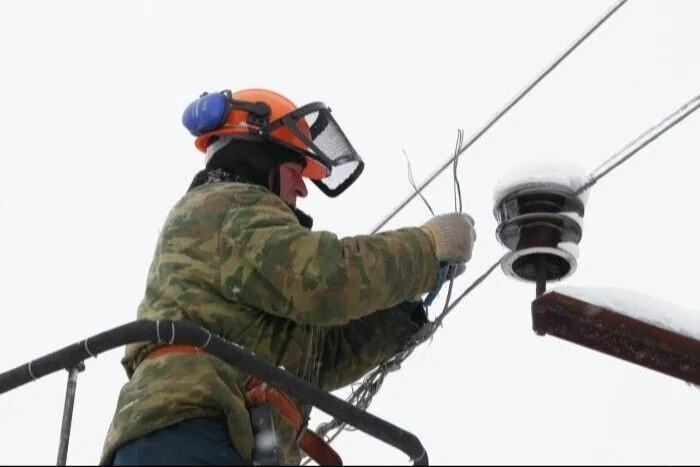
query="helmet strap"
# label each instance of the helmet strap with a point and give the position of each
(275, 175)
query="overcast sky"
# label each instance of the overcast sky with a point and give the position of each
(95, 155)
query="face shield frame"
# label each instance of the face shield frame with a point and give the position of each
(319, 146)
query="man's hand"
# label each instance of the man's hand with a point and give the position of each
(452, 235)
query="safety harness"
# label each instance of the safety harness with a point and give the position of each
(260, 397)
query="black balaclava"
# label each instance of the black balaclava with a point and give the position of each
(251, 162)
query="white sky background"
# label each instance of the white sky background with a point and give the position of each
(95, 155)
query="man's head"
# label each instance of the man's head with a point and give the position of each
(263, 163)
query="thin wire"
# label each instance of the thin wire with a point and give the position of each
(413, 182)
(457, 188)
(503, 111)
(635, 146)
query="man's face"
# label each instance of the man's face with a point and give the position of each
(291, 183)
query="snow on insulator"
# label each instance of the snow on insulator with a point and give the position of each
(540, 219)
(562, 174)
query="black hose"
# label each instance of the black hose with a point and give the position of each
(181, 332)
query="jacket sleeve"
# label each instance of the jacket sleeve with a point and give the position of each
(352, 350)
(271, 262)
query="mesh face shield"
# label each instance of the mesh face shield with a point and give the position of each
(323, 141)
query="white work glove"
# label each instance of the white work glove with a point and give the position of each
(453, 237)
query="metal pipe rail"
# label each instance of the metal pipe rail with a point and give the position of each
(181, 332)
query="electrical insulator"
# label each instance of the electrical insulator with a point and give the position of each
(541, 224)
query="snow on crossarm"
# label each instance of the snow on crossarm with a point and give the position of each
(648, 309)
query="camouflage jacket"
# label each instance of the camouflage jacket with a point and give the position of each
(233, 258)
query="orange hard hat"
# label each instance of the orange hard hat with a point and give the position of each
(238, 123)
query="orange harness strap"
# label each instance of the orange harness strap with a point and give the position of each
(258, 392)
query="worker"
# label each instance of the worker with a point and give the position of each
(237, 257)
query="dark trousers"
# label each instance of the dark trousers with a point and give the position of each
(199, 441)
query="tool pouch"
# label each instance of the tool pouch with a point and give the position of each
(265, 443)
